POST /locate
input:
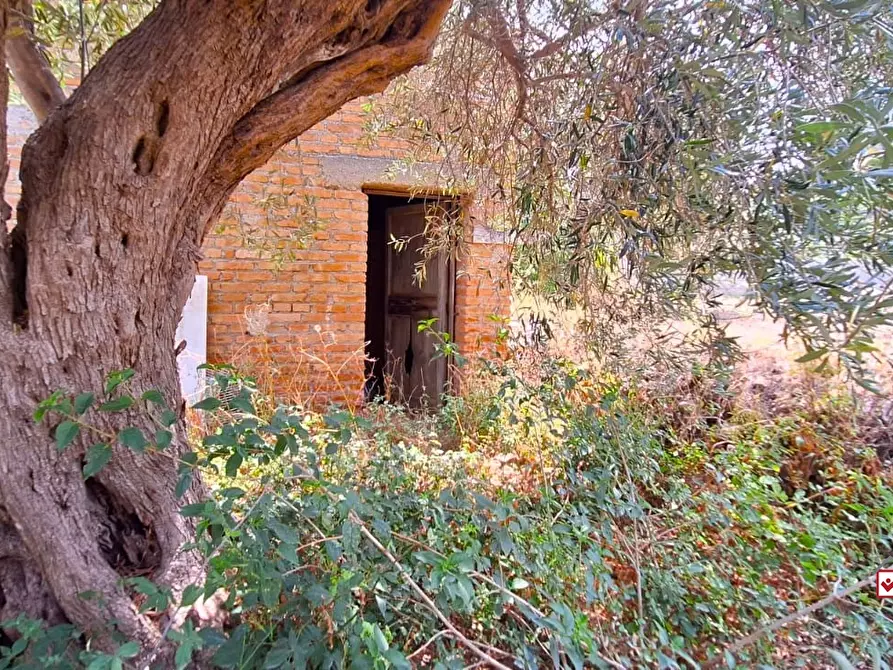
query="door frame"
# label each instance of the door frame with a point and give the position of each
(453, 203)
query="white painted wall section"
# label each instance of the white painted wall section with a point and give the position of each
(193, 328)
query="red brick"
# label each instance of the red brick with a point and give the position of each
(322, 285)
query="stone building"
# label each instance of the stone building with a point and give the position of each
(311, 281)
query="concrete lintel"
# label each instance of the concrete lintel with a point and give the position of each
(355, 172)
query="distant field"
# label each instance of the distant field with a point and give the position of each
(759, 337)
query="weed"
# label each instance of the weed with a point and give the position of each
(572, 523)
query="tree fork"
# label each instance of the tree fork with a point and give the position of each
(120, 185)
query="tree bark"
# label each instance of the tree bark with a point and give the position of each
(119, 187)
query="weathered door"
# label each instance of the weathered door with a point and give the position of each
(417, 374)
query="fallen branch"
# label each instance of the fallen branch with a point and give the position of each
(430, 641)
(474, 573)
(745, 642)
(455, 632)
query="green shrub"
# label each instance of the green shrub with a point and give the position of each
(572, 527)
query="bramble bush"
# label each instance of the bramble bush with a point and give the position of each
(575, 524)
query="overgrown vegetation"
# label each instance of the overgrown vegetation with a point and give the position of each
(549, 518)
(641, 153)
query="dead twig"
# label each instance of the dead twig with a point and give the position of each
(745, 642)
(477, 575)
(430, 641)
(473, 647)
(321, 540)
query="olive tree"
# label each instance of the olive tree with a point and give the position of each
(120, 184)
(654, 151)
(645, 149)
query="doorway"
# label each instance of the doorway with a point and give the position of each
(404, 364)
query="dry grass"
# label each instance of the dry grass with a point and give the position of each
(313, 374)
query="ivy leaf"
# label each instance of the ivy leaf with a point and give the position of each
(209, 404)
(102, 663)
(242, 402)
(98, 457)
(115, 379)
(350, 533)
(133, 438)
(212, 637)
(128, 650)
(283, 532)
(183, 656)
(230, 654)
(380, 640)
(17, 648)
(168, 418)
(65, 434)
(269, 592)
(157, 598)
(190, 594)
(397, 659)
(233, 464)
(83, 402)
(117, 405)
(277, 656)
(154, 396)
(183, 483)
(194, 509)
(163, 438)
(55, 403)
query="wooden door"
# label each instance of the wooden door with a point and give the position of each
(417, 374)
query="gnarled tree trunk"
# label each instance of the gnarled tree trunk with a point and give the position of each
(119, 187)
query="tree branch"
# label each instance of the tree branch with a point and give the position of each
(745, 642)
(400, 43)
(28, 65)
(474, 647)
(500, 37)
(501, 40)
(5, 266)
(310, 97)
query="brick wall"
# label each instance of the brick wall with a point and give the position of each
(286, 265)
